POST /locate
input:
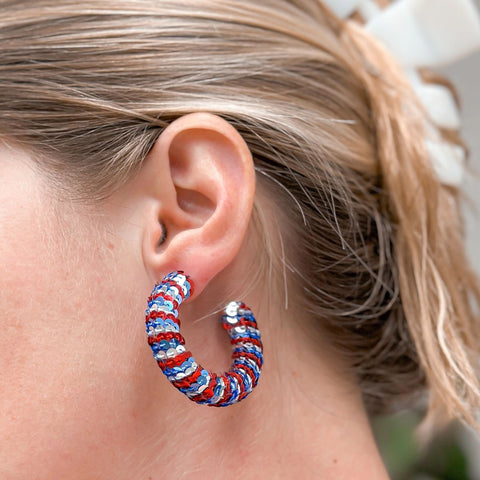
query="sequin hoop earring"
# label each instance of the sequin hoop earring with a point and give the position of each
(178, 364)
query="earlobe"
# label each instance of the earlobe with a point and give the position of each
(201, 178)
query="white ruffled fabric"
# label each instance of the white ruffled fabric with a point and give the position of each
(425, 33)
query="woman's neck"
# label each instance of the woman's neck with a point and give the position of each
(305, 418)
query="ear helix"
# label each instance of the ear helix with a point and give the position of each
(178, 364)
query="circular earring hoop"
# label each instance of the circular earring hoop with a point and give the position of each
(178, 364)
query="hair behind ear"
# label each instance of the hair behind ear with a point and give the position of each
(437, 286)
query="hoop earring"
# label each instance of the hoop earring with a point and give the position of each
(178, 364)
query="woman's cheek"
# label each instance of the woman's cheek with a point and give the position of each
(68, 339)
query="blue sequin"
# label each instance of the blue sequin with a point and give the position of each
(245, 335)
(218, 388)
(203, 378)
(186, 364)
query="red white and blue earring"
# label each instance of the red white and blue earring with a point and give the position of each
(178, 364)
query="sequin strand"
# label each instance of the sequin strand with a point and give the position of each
(178, 364)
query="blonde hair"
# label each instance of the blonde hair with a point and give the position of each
(334, 130)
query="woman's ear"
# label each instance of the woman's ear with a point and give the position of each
(200, 181)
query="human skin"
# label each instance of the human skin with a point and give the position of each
(82, 398)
